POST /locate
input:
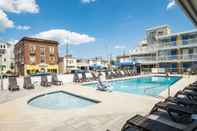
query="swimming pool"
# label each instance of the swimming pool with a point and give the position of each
(61, 100)
(151, 86)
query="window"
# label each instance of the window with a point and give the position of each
(42, 50)
(51, 50)
(42, 59)
(32, 49)
(42, 55)
(32, 59)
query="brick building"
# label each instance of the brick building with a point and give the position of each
(33, 55)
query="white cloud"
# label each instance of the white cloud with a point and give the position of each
(19, 6)
(23, 27)
(119, 47)
(5, 22)
(88, 1)
(171, 4)
(12, 41)
(63, 36)
(15, 6)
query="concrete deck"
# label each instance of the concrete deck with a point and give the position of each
(115, 108)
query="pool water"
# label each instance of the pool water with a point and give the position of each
(152, 85)
(61, 100)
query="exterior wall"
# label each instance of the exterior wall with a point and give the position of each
(29, 60)
(7, 58)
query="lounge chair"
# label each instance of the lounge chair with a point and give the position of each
(12, 85)
(114, 74)
(28, 83)
(178, 113)
(94, 77)
(141, 123)
(55, 81)
(101, 86)
(84, 77)
(182, 101)
(108, 75)
(44, 81)
(192, 95)
(193, 88)
(126, 73)
(76, 78)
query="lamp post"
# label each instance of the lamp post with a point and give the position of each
(67, 57)
(1, 72)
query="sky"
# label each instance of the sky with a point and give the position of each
(90, 27)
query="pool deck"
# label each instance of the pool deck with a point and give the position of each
(115, 108)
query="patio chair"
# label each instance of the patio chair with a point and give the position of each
(141, 123)
(54, 80)
(178, 113)
(28, 83)
(76, 78)
(44, 81)
(12, 84)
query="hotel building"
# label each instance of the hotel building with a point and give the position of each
(176, 52)
(33, 55)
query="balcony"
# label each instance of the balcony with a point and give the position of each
(180, 44)
(180, 58)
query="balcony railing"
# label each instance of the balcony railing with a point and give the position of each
(182, 57)
(177, 44)
(166, 58)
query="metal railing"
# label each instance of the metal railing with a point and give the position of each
(166, 58)
(177, 44)
(182, 57)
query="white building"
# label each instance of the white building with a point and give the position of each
(176, 52)
(7, 57)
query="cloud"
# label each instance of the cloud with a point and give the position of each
(19, 6)
(5, 22)
(88, 1)
(15, 6)
(119, 47)
(23, 27)
(171, 4)
(13, 41)
(64, 36)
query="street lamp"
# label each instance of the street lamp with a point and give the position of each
(1, 65)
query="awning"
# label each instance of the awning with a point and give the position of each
(190, 9)
(97, 66)
(128, 63)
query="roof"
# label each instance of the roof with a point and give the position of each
(157, 27)
(190, 9)
(38, 40)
